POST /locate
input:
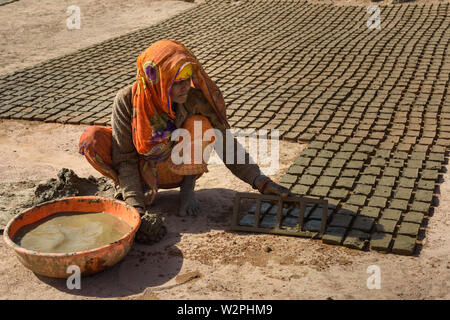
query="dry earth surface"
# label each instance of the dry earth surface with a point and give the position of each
(199, 258)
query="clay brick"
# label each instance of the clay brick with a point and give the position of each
(391, 172)
(415, 164)
(348, 209)
(403, 193)
(423, 195)
(358, 200)
(345, 182)
(356, 239)
(314, 171)
(337, 163)
(385, 225)
(378, 202)
(410, 173)
(288, 178)
(341, 220)
(343, 155)
(300, 189)
(333, 172)
(426, 184)
(302, 161)
(404, 245)
(371, 212)
(398, 204)
(396, 163)
(326, 181)
(338, 193)
(430, 174)
(380, 241)
(387, 181)
(370, 180)
(333, 235)
(296, 170)
(408, 228)
(391, 214)
(375, 171)
(406, 183)
(415, 217)
(320, 191)
(420, 206)
(350, 173)
(363, 223)
(433, 165)
(312, 225)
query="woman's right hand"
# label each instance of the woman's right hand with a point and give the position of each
(152, 228)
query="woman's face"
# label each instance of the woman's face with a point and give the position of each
(179, 91)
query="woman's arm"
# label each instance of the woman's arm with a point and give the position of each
(124, 155)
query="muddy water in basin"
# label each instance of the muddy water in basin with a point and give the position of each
(71, 232)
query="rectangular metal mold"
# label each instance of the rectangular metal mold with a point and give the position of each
(299, 201)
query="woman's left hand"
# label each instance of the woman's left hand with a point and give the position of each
(266, 186)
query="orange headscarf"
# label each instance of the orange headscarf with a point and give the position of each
(157, 68)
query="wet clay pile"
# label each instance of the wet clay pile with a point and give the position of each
(17, 197)
(71, 232)
(69, 184)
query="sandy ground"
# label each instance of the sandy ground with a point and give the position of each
(199, 258)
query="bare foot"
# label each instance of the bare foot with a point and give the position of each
(189, 206)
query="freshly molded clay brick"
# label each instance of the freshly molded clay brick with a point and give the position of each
(377, 202)
(423, 195)
(314, 171)
(341, 220)
(362, 189)
(345, 182)
(380, 241)
(430, 174)
(426, 184)
(406, 183)
(356, 239)
(410, 173)
(408, 228)
(326, 181)
(333, 172)
(247, 220)
(385, 226)
(383, 191)
(374, 171)
(398, 204)
(420, 206)
(349, 209)
(367, 179)
(404, 245)
(403, 193)
(357, 200)
(363, 223)
(412, 216)
(391, 214)
(307, 180)
(391, 172)
(333, 235)
(338, 193)
(312, 225)
(288, 178)
(296, 170)
(300, 189)
(387, 181)
(320, 191)
(371, 212)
